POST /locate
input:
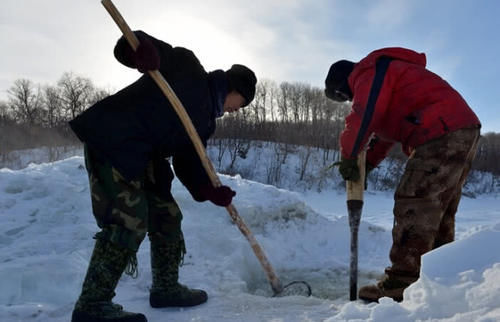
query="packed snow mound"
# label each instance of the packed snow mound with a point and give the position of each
(458, 282)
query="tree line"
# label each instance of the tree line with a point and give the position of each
(37, 115)
(291, 114)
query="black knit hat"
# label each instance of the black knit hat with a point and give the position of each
(336, 80)
(242, 79)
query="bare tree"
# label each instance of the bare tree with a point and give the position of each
(258, 104)
(299, 101)
(25, 101)
(283, 100)
(4, 112)
(52, 106)
(97, 95)
(306, 101)
(272, 93)
(76, 93)
(304, 156)
(294, 101)
(273, 170)
(221, 150)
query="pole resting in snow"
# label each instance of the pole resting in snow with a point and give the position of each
(276, 285)
(355, 191)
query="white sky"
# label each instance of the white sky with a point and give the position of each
(284, 40)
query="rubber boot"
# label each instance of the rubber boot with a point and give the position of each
(106, 266)
(391, 285)
(166, 291)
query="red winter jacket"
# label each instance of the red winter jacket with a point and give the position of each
(414, 105)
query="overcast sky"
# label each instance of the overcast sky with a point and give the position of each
(282, 40)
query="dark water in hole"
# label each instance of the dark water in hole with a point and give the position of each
(332, 284)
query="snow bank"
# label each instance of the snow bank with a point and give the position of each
(46, 230)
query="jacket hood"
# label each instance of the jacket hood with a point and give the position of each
(398, 53)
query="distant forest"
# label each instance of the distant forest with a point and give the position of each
(36, 115)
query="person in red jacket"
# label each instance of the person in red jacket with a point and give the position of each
(395, 99)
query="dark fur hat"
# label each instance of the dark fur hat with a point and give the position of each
(336, 80)
(242, 79)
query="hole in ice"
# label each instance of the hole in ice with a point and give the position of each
(329, 284)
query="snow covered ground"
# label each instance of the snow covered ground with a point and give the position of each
(46, 229)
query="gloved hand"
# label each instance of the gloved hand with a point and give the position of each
(348, 169)
(220, 196)
(146, 56)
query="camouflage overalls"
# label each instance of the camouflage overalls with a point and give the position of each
(427, 199)
(127, 210)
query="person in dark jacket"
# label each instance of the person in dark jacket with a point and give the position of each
(395, 99)
(127, 139)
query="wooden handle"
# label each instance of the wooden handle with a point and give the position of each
(275, 282)
(200, 149)
(355, 189)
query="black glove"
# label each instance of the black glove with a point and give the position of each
(348, 169)
(146, 56)
(220, 196)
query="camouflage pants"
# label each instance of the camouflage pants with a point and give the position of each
(127, 210)
(427, 198)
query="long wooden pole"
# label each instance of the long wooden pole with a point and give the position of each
(276, 285)
(355, 191)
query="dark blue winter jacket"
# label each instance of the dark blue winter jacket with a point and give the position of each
(138, 124)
